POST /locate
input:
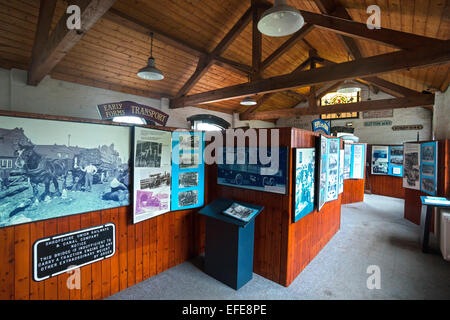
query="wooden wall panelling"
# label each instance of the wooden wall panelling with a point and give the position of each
(50, 285)
(106, 263)
(7, 263)
(74, 225)
(36, 288)
(86, 271)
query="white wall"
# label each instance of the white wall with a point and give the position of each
(441, 116)
(61, 98)
(381, 134)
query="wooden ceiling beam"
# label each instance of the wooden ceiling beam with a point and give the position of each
(62, 39)
(253, 109)
(330, 7)
(256, 42)
(365, 67)
(288, 44)
(206, 61)
(384, 36)
(396, 103)
(391, 88)
(386, 86)
(46, 12)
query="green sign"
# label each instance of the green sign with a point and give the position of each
(377, 123)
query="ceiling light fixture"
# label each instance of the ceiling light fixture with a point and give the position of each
(248, 101)
(280, 20)
(348, 87)
(150, 72)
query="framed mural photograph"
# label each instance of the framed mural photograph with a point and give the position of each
(240, 173)
(358, 156)
(151, 173)
(304, 182)
(53, 168)
(322, 143)
(188, 178)
(333, 169)
(411, 166)
(341, 171)
(347, 160)
(380, 160)
(429, 164)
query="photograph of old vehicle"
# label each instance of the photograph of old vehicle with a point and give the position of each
(188, 179)
(155, 181)
(187, 198)
(256, 176)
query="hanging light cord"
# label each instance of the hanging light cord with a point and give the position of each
(151, 45)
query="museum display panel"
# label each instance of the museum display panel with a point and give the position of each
(152, 172)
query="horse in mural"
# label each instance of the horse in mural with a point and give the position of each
(41, 170)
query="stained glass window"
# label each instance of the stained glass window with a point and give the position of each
(333, 98)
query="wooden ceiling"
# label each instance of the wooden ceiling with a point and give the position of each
(118, 45)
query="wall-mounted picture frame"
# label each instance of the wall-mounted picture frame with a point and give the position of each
(322, 152)
(304, 182)
(55, 168)
(429, 165)
(270, 177)
(396, 161)
(411, 166)
(152, 173)
(380, 160)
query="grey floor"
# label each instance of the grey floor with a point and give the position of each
(372, 233)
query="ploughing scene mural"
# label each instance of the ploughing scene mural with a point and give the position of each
(50, 169)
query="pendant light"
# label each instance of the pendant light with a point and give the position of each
(248, 101)
(150, 72)
(280, 20)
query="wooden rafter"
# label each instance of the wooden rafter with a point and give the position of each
(330, 7)
(256, 42)
(386, 86)
(206, 61)
(288, 44)
(62, 39)
(365, 67)
(347, 27)
(252, 109)
(265, 97)
(396, 103)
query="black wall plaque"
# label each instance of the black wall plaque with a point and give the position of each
(65, 252)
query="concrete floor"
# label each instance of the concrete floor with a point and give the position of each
(372, 233)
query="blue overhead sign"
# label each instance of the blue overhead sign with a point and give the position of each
(321, 125)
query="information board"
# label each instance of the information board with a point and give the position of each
(62, 253)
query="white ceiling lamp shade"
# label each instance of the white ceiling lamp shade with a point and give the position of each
(349, 87)
(280, 20)
(150, 72)
(248, 101)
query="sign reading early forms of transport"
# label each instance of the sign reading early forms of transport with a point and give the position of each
(62, 253)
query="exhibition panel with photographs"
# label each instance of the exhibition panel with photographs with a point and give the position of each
(54, 168)
(152, 173)
(387, 160)
(329, 167)
(420, 166)
(188, 170)
(305, 164)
